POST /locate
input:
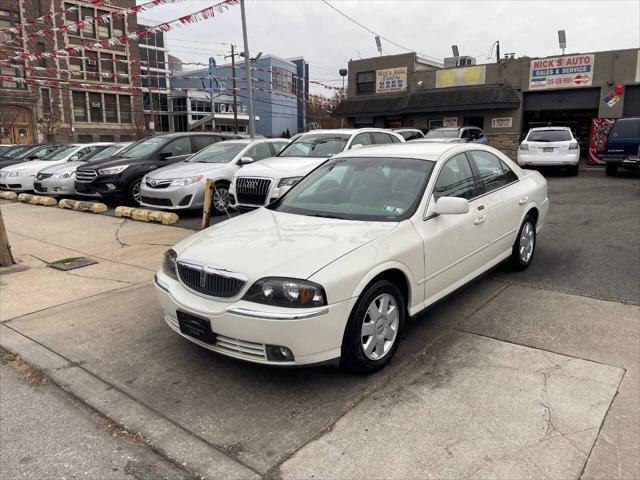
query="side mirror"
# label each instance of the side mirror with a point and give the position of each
(75, 158)
(165, 155)
(356, 146)
(451, 206)
(245, 160)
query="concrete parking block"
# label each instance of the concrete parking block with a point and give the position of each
(473, 407)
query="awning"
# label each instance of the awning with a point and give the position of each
(478, 97)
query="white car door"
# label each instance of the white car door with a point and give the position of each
(502, 199)
(453, 244)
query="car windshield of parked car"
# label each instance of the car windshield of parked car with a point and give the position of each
(217, 153)
(372, 189)
(437, 133)
(316, 145)
(549, 136)
(14, 152)
(144, 147)
(61, 153)
(103, 154)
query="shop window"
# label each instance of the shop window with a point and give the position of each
(110, 108)
(79, 106)
(95, 107)
(435, 124)
(366, 82)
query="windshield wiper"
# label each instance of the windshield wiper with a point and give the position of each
(328, 215)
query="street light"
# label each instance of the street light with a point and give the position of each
(343, 73)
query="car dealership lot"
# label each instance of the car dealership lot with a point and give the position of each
(516, 375)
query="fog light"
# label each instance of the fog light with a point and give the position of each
(110, 186)
(279, 354)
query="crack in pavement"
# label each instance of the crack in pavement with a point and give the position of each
(117, 234)
(102, 278)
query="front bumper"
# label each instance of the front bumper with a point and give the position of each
(54, 186)
(244, 329)
(107, 186)
(173, 198)
(274, 193)
(19, 184)
(549, 159)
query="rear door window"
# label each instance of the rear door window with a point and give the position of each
(380, 138)
(456, 179)
(361, 139)
(491, 170)
(201, 141)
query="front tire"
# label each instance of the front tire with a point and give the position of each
(220, 198)
(134, 195)
(524, 246)
(610, 169)
(374, 328)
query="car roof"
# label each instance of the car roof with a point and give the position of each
(426, 151)
(348, 131)
(540, 129)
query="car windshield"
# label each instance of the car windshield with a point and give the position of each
(106, 153)
(61, 153)
(144, 147)
(444, 133)
(14, 152)
(217, 153)
(373, 189)
(549, 136)
(315, 145)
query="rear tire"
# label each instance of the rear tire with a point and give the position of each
(611, 169)
(374, 328)
(524, 246)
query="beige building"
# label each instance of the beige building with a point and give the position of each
(505, 98)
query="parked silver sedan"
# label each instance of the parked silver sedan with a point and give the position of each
(181, 185)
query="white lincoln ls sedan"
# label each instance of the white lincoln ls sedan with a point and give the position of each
(332, 270)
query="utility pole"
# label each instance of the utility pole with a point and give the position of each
(497, 51)
(212, 71)
(233, 79)
(247, 66)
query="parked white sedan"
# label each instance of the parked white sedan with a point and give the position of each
(332, 270)
(550, 147)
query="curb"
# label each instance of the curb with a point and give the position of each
(11, 196)
(83, 206)
(143, 215)
(37, 200)
(171, 440)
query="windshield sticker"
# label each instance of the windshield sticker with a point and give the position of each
(389, 210)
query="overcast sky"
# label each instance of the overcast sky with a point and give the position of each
(327, 40)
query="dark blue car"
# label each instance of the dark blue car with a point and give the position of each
(623, 146)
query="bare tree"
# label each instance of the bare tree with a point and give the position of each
(49, 123)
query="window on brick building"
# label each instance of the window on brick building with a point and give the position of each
(125, 109)
(104, 27)
(9, 18)
(75, 66)
(95, 107)
(122, 67)
(117, 26)
(91, 64)
(110, 108)
(366, 82)
(106, 67)
(71, 16)
(79, 106)
(40, 48)
(45, 94)
(89, 29)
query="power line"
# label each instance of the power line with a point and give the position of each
(381, 36)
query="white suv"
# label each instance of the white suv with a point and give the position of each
(550, 147)
(257, 185)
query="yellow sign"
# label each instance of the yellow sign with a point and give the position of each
(458, 77)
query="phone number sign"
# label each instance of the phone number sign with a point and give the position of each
(561, 72)
(391, 80)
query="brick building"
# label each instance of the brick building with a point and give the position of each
(584, 91)
(32, 113)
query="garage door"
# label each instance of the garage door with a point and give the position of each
(585, 98)
(632, 101)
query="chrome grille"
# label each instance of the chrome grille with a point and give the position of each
(157, 183)
(252, 191)
(211, 281)
(86, 175)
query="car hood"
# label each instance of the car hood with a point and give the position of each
(109, 162)
(266, 243)
(281, 167)
(185, 169)
(32, 166)
(61, 167)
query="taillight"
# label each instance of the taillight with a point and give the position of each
(573, 146)
(524, 146)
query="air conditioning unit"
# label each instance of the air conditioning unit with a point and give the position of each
(96, 104)
(91, 62)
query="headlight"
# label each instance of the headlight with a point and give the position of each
(183, 182)
(169, 264)
(112, 170)
(286, 292)
(68, 174)
(16, 173)
(524, 147)
(289, 182)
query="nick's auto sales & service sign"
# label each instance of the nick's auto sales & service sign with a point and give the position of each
(561, 72)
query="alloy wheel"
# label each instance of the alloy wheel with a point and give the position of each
(380, 327)
(135, 192)
(221, 199)
(526, 242)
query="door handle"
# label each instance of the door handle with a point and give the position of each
(479, 220)
(523, 200)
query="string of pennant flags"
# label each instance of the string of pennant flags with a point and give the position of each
(195, 17)
(18, 27)
(79, 25)
(329, 103)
